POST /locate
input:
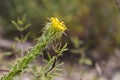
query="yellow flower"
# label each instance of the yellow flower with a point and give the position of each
(57, 24)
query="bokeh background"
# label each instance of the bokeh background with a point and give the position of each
(93, 25)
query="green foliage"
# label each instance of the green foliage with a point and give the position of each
(94, 21)
(21, 26)
(49, 35)
(38, 9)
(90, 19)
(78, 50)
(51, 69)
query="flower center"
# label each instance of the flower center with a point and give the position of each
(57, 24)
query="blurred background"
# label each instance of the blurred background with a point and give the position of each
(93, 33)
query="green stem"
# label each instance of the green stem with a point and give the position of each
(47, 37)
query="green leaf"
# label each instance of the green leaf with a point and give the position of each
(26, 37)
(26, 26)
(16, 25)
(88, 61)
(49, 56)
(17, 39)
(20, 22)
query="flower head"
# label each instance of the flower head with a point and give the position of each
(57, 24)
